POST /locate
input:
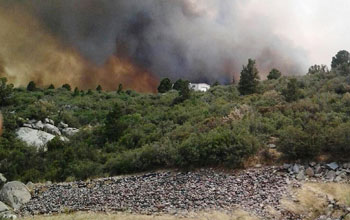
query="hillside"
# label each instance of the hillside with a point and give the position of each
(289, 118)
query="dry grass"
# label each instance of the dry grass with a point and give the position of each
(313, 199)
(238, 215)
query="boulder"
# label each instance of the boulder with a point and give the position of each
(15, 194)
(34, 137)
(70, 131)
(52, 129)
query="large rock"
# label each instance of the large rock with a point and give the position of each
(34, 137)
(52, 129)
(70, 131)
(15, 194)
(3, 207)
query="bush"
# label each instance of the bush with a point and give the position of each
(274, 74)
(296, 143)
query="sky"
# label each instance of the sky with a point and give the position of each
(199, 40)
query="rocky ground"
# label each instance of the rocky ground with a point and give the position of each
(255, 190)
(258, 191)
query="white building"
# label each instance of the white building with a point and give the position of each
(201, 87)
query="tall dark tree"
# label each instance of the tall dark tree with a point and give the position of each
(114, 127)
(185, 91)
(341, 58)
(76, 92)
(292, 92)
(249, 81)
(99, 88)
(31, 86)
(274, 74)
(120, 88)
(164, 86)
(178, 84)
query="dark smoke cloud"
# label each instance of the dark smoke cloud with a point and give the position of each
(200, 40)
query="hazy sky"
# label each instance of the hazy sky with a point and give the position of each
(200, 40)
(321, 27)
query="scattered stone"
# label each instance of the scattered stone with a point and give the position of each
(301, 175)
(286, 166)
(333, 166)
(296, 168)
(330, 175)
(167, 192)
(310, 172)
(15, 194)
(312, 164)
(318, 169)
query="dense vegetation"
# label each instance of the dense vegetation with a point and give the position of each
(124, 131)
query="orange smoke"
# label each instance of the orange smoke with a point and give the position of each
(29, 52)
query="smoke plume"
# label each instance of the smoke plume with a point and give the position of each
(135, 42)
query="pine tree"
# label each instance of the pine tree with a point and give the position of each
(120, 88)
(67, 86)
(31, 86)
(51, 86)
(249, 80)
(274, 74)
(99, 88)
(76, 92)
(164, 86)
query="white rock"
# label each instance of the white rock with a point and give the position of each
(34, 137)
(3, 207)
(52, 129)
(333, 166)
(63, 125)
(70, 131)
(39, 125)
(15, 194)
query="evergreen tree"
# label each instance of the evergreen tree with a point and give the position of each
(292, 92)
(99, 88)
(164, 86)
(31, 86)
(178, 84)
(341, 58)
(274, 74)
(76, 92)
(120, 88)
(51, 86)
(216, 83)
(89, 92)
(249, 80)
(67, 86)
